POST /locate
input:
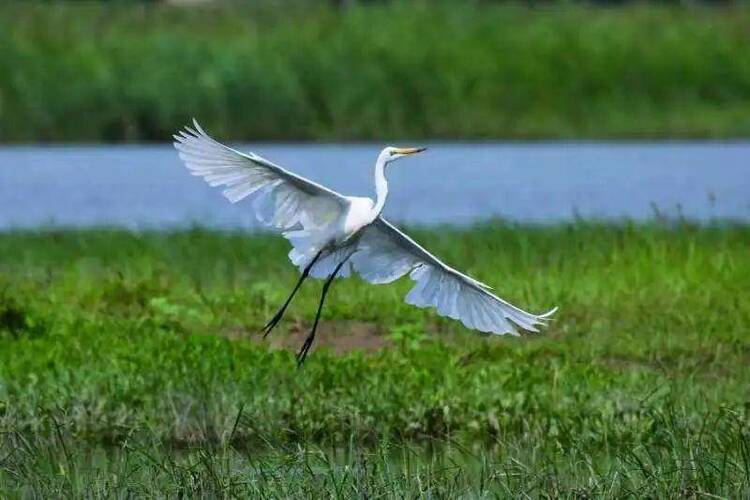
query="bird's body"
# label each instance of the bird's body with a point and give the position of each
(359, 214)
(334, 235)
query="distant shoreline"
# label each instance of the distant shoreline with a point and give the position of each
(122, 73)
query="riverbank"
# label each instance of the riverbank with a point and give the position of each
(132, 363)
(113, 72)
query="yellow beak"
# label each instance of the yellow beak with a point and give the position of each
(409, 151)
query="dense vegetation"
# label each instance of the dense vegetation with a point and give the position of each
(111, 72)
(131, 363)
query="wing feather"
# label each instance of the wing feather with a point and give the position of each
(303, 210)
(384, 254)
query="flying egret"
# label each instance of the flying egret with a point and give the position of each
(334, 235)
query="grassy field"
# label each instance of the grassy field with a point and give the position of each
(131, 364)
(82, 71)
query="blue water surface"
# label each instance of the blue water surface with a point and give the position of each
(458, 183)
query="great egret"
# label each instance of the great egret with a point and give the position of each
(334, 235)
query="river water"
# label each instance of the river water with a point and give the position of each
(455, 183)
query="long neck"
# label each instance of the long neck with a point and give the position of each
(381, 185)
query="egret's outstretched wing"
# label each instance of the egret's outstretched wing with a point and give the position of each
(282, 199)
(385, 254)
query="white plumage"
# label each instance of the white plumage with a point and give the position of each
(333, 235)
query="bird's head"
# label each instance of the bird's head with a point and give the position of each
(391, 153)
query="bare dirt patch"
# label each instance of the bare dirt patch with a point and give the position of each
(339, 335)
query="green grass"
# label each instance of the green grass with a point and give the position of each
(114, 72)
(127, 367)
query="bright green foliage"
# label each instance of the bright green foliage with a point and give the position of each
(126, 365)
(91, 72)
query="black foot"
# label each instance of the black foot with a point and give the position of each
(302, 354)
(272, 324)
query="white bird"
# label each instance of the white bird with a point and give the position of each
(334, 235)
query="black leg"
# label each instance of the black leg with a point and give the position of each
(311, 337)
(280, 313)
